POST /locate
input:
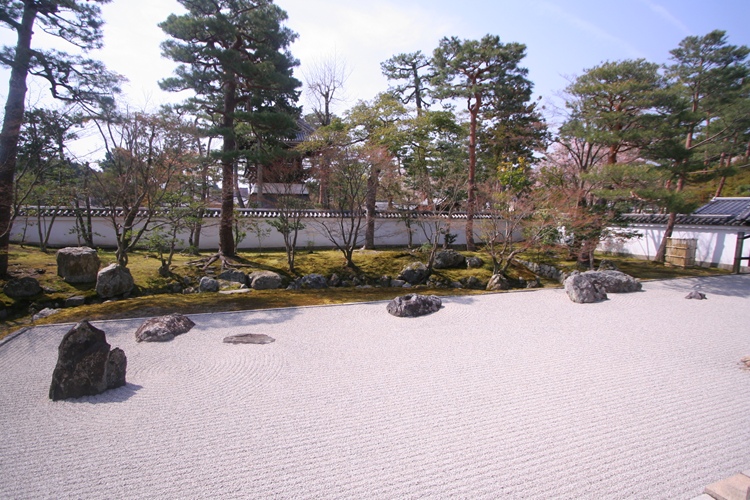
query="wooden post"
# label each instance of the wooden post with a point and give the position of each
(738, 252)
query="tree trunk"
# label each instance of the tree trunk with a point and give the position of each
(14, 109)
(372, 191)
(236, 184)
(661, 253)
(471, 202)
(226, 237)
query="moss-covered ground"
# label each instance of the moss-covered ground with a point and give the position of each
(151, 297)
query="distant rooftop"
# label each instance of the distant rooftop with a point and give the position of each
(717, 212)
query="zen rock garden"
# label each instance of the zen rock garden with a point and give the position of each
(81, 265)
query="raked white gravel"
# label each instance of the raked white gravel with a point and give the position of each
(510, 395)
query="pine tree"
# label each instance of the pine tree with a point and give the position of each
(71, 77)
(234, 55)
(476, 71)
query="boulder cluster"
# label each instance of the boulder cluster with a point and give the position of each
(593, 286)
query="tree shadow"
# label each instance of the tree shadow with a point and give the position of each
(730, 286)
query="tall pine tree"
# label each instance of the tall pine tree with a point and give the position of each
(70, 77)
(234, 55)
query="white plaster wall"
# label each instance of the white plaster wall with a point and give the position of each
(388, 232)
(715, 244)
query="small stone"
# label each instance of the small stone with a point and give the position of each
(745, 363)
(410, 306)
(474, 262)
(163, 328)
(238, 291)
(498, 282)
(449, 259)
(249, 338)
(207, 284)
(75, 301)
(114, 280)
(397, 283)
(414, 273)
(22, 288)
(234, 276)
(264, 280)
(696, 295)
(314, 281)
(44, 313)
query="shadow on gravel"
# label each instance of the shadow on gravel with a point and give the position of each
(729, 286)
(119, 395)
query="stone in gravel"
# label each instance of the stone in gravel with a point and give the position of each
(163, 328)
(614, 281)
(745, 363)
(114, 280)
(85, 365)
(696, 295)
(249, 338)
(583, 290)
(77, 264)
(411, 306)
(22, 288)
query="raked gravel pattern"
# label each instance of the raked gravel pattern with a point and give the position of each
(510, 395)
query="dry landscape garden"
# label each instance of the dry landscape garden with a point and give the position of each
(440, 195)
(457, 136)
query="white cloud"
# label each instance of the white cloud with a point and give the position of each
(667, 16)
(590, 28)
(362, 35)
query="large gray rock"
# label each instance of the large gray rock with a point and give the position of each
(163, 328)
(415, 273)
(114, 280)
(615, 281)
(411, 306)
(234, 276)
(314, 281)
(584, 290)
(22, 288)
(85, 364)
(207, 284)
(78, 264)
(498, 282)
(264, 280)
(449, 259)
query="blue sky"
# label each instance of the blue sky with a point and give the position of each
(563, 37)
